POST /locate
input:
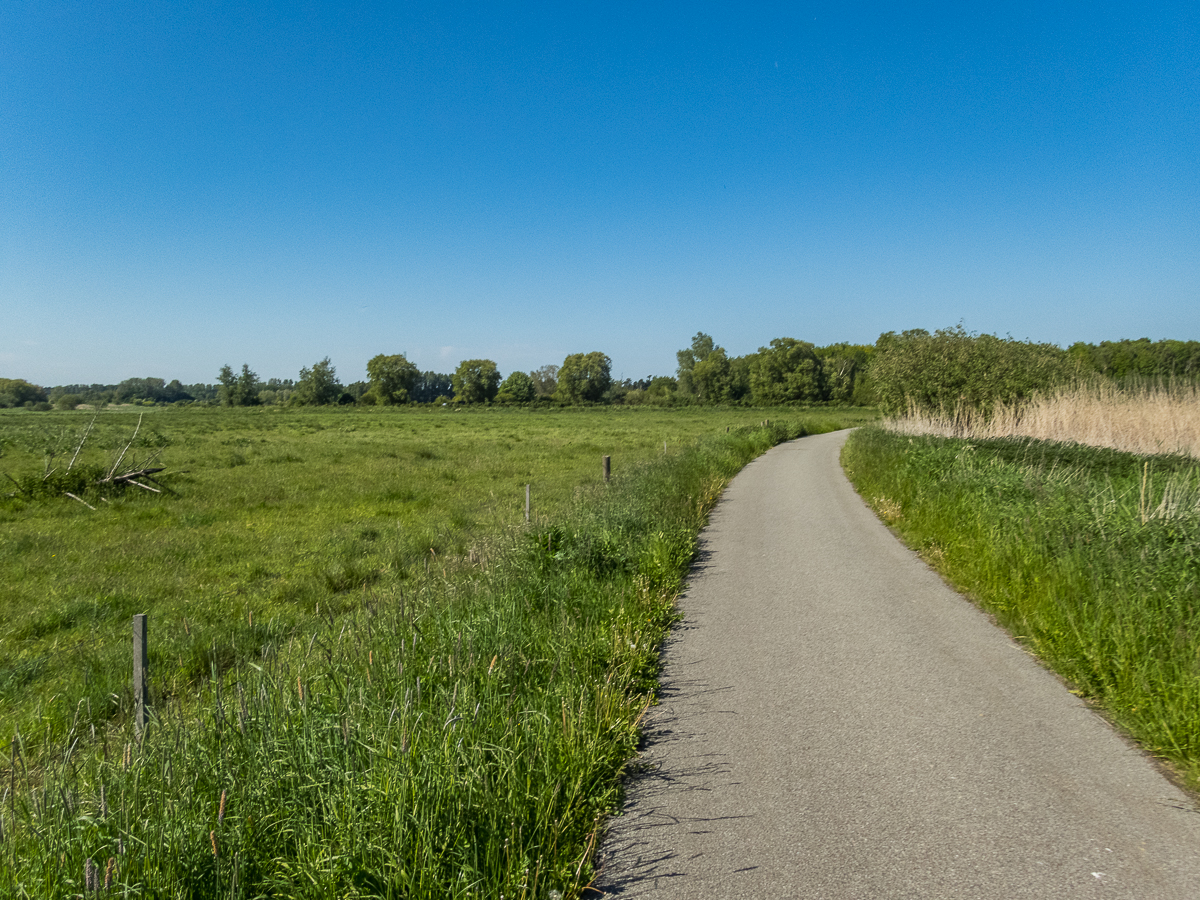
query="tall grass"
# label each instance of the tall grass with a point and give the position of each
(1091, 557)
(459, 733)
(1141, 417)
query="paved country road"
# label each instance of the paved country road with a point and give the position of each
(837, 723)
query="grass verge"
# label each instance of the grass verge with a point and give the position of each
(1090, 557)
(459, 732)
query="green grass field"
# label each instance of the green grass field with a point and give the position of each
(373, 678)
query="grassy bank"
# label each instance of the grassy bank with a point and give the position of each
(1090, 556)
(453, 725)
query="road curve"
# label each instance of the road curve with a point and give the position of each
(837, 723)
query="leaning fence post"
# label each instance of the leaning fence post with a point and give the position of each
(526, 504)
(141, 683)
(607, 466)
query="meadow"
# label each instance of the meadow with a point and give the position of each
(1089, 555)
(370, 676)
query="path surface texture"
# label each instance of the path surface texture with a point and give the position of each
(837, 723)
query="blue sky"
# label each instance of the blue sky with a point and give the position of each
(184, 185)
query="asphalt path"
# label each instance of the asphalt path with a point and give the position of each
(837, 723)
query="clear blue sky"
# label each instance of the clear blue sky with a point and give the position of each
(188, 184)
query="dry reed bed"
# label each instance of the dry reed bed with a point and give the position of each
(1151, 419)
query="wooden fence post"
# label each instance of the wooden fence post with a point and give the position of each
(141, 681)
(526, 504)
(607, 466)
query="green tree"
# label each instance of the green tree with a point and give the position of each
(545, 380)
(702, 347)
(786, 372)
(517, 388)
(431, 386)
(712, 378)
(475, 381)
(583, 377)
(317, 386)
(842, 370)
(19, 392)
(238, 390)
(662, 388)
(393, 379)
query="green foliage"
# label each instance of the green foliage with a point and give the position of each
(68, 401)
(317, 386)
(583, 378)
(658, 391)
(1142, 358)
(239, 390)
(788, 371)
(518, 387)
(475, 381)
(843, 373)
(1089, 556)
(19, 392)
(393, 380)
(951, 370)
(711, 377)
(701, 348)
(545, 380)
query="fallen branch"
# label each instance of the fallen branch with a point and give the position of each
(84, 502)
(126, 450)
(82, 440)
(144, 487)
(128, 477)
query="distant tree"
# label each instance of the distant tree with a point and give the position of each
(545, 380)
(68, 401)
(432, 386)
(1141, 358)
(238, 390)
(788, 371)
(393, 379)
(475, 381)
(517, 388)
(711, 377)
(583, 377)
(139, 389)
(174, 392)
(843, 372)
(19, 392)
(702, 347)
(661, 389)
(317, 386)
(207, 392)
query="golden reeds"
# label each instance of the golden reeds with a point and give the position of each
(1149, 419)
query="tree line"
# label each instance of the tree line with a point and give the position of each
(944, 369)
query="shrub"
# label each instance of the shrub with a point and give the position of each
(951, 370)
(517, 388)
